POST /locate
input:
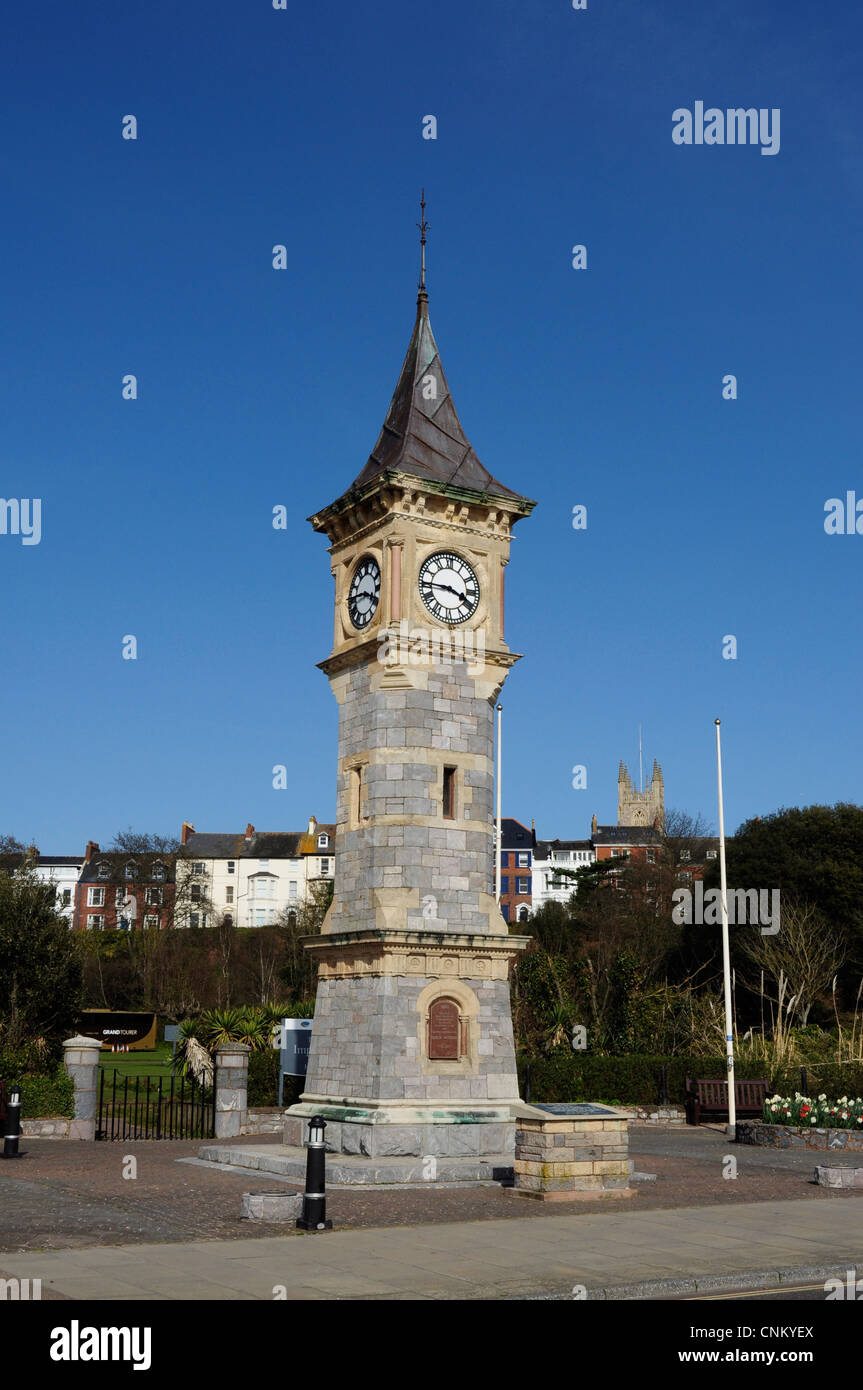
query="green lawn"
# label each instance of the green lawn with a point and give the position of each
(155, 1063)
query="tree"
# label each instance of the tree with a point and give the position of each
(298, 971)
(10, 845)
(137, 842)
(40, 966)
(805, 954)
(814, 855)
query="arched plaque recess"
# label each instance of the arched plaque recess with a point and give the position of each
(446, 1031)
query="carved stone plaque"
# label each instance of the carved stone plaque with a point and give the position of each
(444, 1031)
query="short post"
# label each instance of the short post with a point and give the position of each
(232, 1089)
(81, 1060)
(803, 1081)
(13, 1124)
(314, 1217)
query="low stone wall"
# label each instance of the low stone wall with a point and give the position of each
(51, 1127)
(653, 1114)
(563, 1153)
(266, 1120)
(797, 1137)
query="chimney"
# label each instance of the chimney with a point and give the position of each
(593, 825)
(313, 825)
(186, 832)
(92, 848)
(250, 830)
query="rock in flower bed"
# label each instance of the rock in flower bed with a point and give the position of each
(799, 1122)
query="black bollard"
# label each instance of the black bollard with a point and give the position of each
(314, 1217)
(13, 1124)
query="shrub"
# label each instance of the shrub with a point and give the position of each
(632, 1080)
(41, 1095)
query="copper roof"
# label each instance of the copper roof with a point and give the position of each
(422, 435)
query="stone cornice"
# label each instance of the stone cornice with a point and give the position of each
(475, 955)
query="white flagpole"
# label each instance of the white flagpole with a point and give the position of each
(497, 854)
(726, 951)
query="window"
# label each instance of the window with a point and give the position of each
(711, 854)
(523, 861)
(325, 868)
(95, 897)
(198, 868)
(523, 914)
(292, 888)
(448, 807)
(194, 919)
(151, 921)
(292, 919)
(522, 885)
(153, 897)
(504, 883)
(131, 870)
(228, 919)
(196, 892)
(504, 859)
(323, 842)
(685, 856)
(104, 870)
(231, 865)
(158, 873)
(684, 877)
(65, 897)
(95, 921)
(229, 894)
(651, 856)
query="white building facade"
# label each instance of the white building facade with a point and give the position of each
(251, 878)
(550, 856)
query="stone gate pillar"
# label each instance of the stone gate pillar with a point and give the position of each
(81, 1060)
(232, 1083)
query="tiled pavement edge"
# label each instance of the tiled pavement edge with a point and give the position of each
(491, 1259)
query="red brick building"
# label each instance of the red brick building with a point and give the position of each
(120, 889)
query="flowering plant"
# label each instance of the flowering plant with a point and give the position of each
(844, 1113)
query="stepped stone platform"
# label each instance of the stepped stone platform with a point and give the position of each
(351, 1170)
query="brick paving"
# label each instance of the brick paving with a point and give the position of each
(67, 1195)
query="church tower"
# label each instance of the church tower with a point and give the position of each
(412, 1045)
(646, 807)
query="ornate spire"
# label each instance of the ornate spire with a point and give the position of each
(424, 227)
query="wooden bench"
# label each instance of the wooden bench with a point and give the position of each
(749, 1097)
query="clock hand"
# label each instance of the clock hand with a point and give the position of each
(448, 587)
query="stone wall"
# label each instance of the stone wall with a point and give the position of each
(48, 1127)
(440, 874)
(562, 1158)
(797, 1137)
(367, 1042)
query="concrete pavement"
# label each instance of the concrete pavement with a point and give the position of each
(489, 1259)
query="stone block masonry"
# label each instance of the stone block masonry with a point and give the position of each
(565, 1158)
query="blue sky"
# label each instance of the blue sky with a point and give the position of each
(258, 388)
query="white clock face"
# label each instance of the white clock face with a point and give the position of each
(449, 587)
(364, 592)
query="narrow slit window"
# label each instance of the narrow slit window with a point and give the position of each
(449, 793)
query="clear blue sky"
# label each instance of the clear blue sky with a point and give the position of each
(260, 387)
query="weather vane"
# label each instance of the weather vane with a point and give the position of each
(423, 226)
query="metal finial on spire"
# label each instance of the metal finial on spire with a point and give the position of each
(423, 226)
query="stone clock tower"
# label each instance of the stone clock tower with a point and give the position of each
(412, 1048)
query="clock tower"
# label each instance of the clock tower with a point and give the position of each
(412, 1046)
